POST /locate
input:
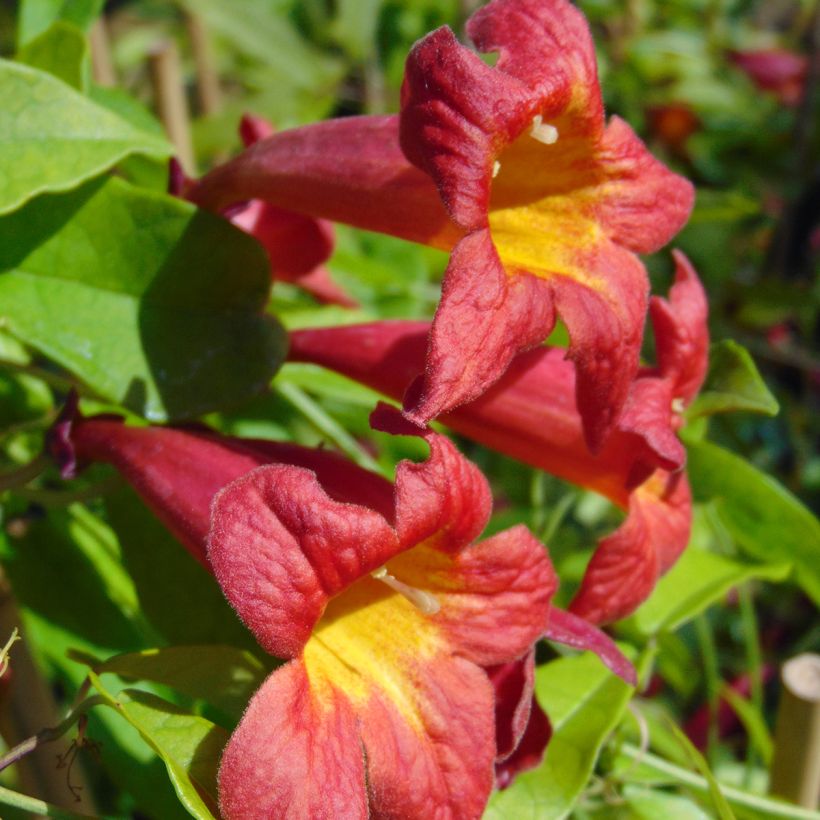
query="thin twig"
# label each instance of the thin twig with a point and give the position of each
(22, 475)
(102, 65)
(208, 90)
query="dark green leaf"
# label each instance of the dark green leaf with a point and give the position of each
(764, 518)
(733, 383)
(584, 701)
(223, 676)
(61, 50)
(53, 138)
(153, 304)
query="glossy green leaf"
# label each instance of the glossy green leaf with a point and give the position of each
(189, 745)
(53, 138)
(223, 676)
(584, 701)
(764, 518)
(733, 383)
(61, 50)
(153, 304)
(699, 579)
(35, 16)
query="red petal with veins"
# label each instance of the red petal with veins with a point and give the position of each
(484, 318)
(682, 332)
(318, 736)
(624, 569)
(513, 683)
(280, 548)
(494, 595)
(445, 499)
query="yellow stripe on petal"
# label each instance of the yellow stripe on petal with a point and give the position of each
(367, 638)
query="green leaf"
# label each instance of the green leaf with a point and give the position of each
(53, 138)
(733, 383)
(35, 16)
(648, 804)
(584, 701)
(189, 745)
(699, 579)
(355, 24)
(764, 518)
(61, 50)
(753, 722)
(153, 304)
(223, 676)
(178, 597)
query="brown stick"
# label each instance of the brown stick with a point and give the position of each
(171, 104)
(796, 764)
(29, 705)
(208, 90)
(102, 66)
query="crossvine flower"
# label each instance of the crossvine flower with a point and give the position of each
(512, 168)
(531, 414)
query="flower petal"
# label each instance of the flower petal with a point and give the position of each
(315, 732)
(445, 500)
(494, 596)
(426, 716)
(486, 316)
(280, 548)
(682, 332)
(513, 683)
(624, 569)
(547, 45)
(456, 113)
(570, 630)
(641, 203)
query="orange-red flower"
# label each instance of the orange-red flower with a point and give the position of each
(384, 707)
(544, 203)
(531, 414)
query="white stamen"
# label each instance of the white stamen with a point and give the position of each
(496, 168)
(425, 602)
(548, 134)
(678, 405)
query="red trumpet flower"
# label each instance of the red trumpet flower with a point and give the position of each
(513, 168)
(531, 414)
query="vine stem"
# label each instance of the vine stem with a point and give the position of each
(48, 734)
(712, 680)
(22, 475)
(772, 808)
(37, 808)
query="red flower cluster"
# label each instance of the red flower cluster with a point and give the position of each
(407, 687)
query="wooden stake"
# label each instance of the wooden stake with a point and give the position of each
(102, 66)
(208, 90)
(171, 104)
(796, 764)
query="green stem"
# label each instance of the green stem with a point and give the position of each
(711, 677)
(22, 475)
(326, 425)
(537, 497)
(54, 379)
(63, 498)
(48, 734)
(37, 808)
(754, 666)
(736, 797)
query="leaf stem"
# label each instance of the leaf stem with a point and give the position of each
(37, 808)
(48, 734)
(772, 808)
(754, 665)
(22, 475)
(326, 425)
(711, 677)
